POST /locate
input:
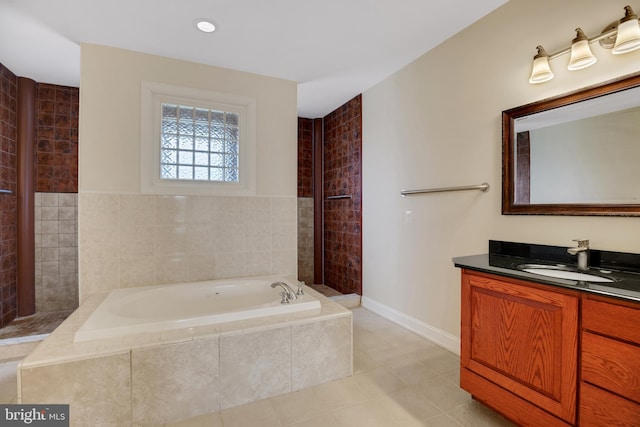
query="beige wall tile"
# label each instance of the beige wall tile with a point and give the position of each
(171, 270)
(49, 199)
(254, 366)
(259, 210)
(229, 265)
(285, 209)
(171, 210)
(229, 210)
(97, 210)
(258, 237)
(200, 210)
(67, 199)
(284, 262)
(137, 271)
(201, 267)
(218, 237)
(95, 389)
(201, 239)
(175, 382)
(257, 263)
(68, 213)
(314, 364)
(284, 237)
(137, 209)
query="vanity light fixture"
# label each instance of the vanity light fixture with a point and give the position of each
(628, 38)
(581, 55)
(541, 71)
(625, 32)
(205, 25)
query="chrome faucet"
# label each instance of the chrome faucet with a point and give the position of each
(287, 293)
(300, 291)
(581, 250)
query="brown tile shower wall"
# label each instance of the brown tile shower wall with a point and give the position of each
(343, 217)
(305, 200)
(305, 157)
(56, 163)
(8, 204)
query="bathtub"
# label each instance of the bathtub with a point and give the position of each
(168, 307)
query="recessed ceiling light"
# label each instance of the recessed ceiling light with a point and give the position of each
(205, 25)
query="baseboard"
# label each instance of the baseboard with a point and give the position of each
(438, 336)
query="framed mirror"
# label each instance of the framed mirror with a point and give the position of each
(575, 154)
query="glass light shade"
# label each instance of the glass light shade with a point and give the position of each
(628, 38)
(581, 56)
(541, 72)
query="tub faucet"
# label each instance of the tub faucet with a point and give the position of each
(287, 293)
(581, 250)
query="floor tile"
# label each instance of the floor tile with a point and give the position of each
(36, 324)
(400, 379)
(259, 413)
(8, 385)
(442, 393)
(475, 414)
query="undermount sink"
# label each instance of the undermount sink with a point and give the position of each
(558, 273)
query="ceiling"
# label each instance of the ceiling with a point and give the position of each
(333, 49)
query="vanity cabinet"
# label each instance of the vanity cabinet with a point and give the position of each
(519, 348)
(610, 363)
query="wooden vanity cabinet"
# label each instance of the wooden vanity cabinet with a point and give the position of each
(610, 364)
(519, 348)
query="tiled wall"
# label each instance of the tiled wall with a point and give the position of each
(343, 218)
(56, 259)
(305, 239)
(128, 240)
(56, 164)
(8, 205)
(305, 200)
(305, 157)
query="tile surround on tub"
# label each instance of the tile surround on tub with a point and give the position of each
(254, 366)
(175, 382)
(164, 377)
(135, 240)
(103, 381)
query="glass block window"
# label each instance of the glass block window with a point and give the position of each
(199, 144)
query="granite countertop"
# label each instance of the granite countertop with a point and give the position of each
(503, 261)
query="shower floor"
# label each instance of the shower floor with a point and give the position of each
(36, 324)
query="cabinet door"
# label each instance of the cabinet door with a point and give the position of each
(522, 337)
(611, 364)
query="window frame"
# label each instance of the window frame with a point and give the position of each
(153, 95)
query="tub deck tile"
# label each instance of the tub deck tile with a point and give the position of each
(175, 382)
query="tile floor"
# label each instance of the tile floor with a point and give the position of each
(39, 323)
(400, 379)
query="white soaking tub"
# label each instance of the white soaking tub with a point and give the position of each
(167, 307)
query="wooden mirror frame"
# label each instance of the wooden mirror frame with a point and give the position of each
(508, 155)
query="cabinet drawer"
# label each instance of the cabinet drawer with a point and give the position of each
(612, 365)
(617, 321)
(600, 408)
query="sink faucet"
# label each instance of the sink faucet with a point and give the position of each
(287, 293)
(581, 250)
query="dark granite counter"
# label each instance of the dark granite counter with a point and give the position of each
(504, 259)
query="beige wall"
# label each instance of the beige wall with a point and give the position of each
(109, 156)
(129, 239)
(437, 122)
